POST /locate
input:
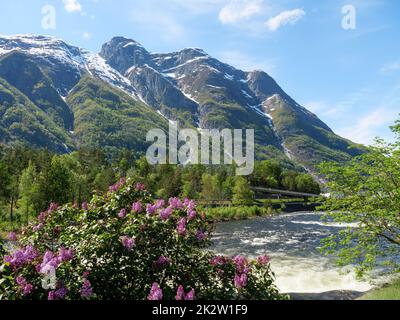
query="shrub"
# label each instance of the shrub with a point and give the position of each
(237, 212)
(242, 194)
(124, 245)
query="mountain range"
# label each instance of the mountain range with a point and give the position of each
(61, 97)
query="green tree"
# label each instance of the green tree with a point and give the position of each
(266, 174)
(8, 188)
(227, 187)
(207, 192)
(306, 183)
(191, 181)
(168, 181)
(242, 194)
(366, 192)
(103, 179)
(288, 180)
(54, 184)
(28, 190)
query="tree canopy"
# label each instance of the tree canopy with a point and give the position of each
(365, 194)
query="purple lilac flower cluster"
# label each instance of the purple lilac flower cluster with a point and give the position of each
(181, 295)
(85, 206)
(155, 293)
(21, 257)
(52, 261)
(26, 287)
(122, 214)
(117, 186)
(86, 290)
(128, 242)
(242, 270)
(163, 261)
(201, 235)
(137, 207)
(219, 261)
(58, 294)
(190, 206)
(44, 215)
(140, 187)
(263, 260)
(12, 236)
(166, 213)
(181, 227)
(175, 203)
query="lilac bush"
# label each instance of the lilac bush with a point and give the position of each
(125, 245)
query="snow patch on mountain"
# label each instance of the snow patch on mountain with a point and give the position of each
(165, 117)
(54, 49)
(214, 87)
(185, 63)
(247, 95)
(212, 69)
(257, 109)
(129, 44)
(170, 75)
(96, 64)
(44, 47)
(190, 97)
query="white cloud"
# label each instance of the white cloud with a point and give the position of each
(72, 5)
(166, 25)
(245, 62)
(200, 6)
(284, 18)
(391, 67)
(87, 35)
(363, 114)
(370, 126)
(240, 10)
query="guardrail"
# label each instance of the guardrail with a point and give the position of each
(284, 192)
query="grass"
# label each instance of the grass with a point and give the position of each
(237, 212)
(387, 292)
(282, 200)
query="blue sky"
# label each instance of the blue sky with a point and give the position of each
(349, 77)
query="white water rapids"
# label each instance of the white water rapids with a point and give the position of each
(292, 241)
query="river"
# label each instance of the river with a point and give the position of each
(292, 241)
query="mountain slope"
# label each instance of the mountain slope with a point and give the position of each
(306, 139)
(230, 98)
(110, 99)
(106, 117)
(23, 122)
(19, 70)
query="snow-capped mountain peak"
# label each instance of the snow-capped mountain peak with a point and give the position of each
(50, 51)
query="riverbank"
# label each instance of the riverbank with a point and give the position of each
(390, 291)
(239, 213)
(387, 291)
(339, 295)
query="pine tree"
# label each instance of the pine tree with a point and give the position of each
(242, 194)
(27, 189)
